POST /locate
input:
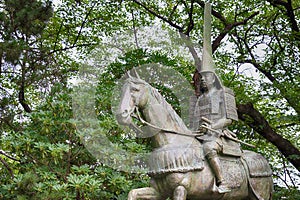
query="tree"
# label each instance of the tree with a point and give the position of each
(22, 24)
(260, 38)
(42, 154)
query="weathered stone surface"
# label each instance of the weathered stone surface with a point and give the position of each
(204, 165)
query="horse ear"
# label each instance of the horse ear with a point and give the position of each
(136, 74)
(127, 75)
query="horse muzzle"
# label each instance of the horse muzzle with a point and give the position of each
(124, 118)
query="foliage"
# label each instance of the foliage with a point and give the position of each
(42, 154)
(284, 193)
(263, 37)
(51, 161)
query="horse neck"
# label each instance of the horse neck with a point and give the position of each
(158, 115)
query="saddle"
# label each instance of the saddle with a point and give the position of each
(259, 174)
(256, 167)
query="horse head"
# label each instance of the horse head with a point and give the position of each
(135, 94)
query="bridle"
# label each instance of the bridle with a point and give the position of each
(138, 117)
(135, 113)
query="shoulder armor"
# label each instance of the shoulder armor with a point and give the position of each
(230, 104)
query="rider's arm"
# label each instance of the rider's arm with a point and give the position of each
(221, 123)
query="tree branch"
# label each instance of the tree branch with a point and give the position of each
(289, 13)
(57, 35)
(7, 167)
(275, 34)
(134, 30)
(159, 16)
(22, 100)
(83, 23)
(277, 2)
(259, 68)
(191, 21)
(228, 28)
(287, 171)
(71, 47)
(256, 120)
(8, 156)
(287, 125)
(173, 11)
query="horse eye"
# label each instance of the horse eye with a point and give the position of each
(135, 89)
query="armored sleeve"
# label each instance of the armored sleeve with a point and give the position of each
(230, 104)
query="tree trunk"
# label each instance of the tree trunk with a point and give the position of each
(256, 120)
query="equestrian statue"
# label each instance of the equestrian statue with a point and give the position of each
(204, 161)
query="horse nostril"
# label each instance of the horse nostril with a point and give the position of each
(125, 113)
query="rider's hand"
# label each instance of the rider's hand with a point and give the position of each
(203, 127)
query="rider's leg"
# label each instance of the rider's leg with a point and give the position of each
(211, 150)
(179, 193)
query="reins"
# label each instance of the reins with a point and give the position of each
(138, 116)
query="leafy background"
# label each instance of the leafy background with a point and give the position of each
(44, 45)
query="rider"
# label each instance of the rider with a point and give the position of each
(214, 110)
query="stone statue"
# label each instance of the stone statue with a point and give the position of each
(177, 165)
(213, 110)
(206, 163)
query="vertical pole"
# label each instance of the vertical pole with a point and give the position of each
(207, 61)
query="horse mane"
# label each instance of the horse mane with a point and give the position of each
(169, 108)
(161, 101)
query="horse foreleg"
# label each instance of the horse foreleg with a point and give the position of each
(147, 193)
(180, 193)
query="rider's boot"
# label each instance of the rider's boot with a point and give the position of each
(216, 166)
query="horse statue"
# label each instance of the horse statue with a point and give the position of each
(178, 168)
